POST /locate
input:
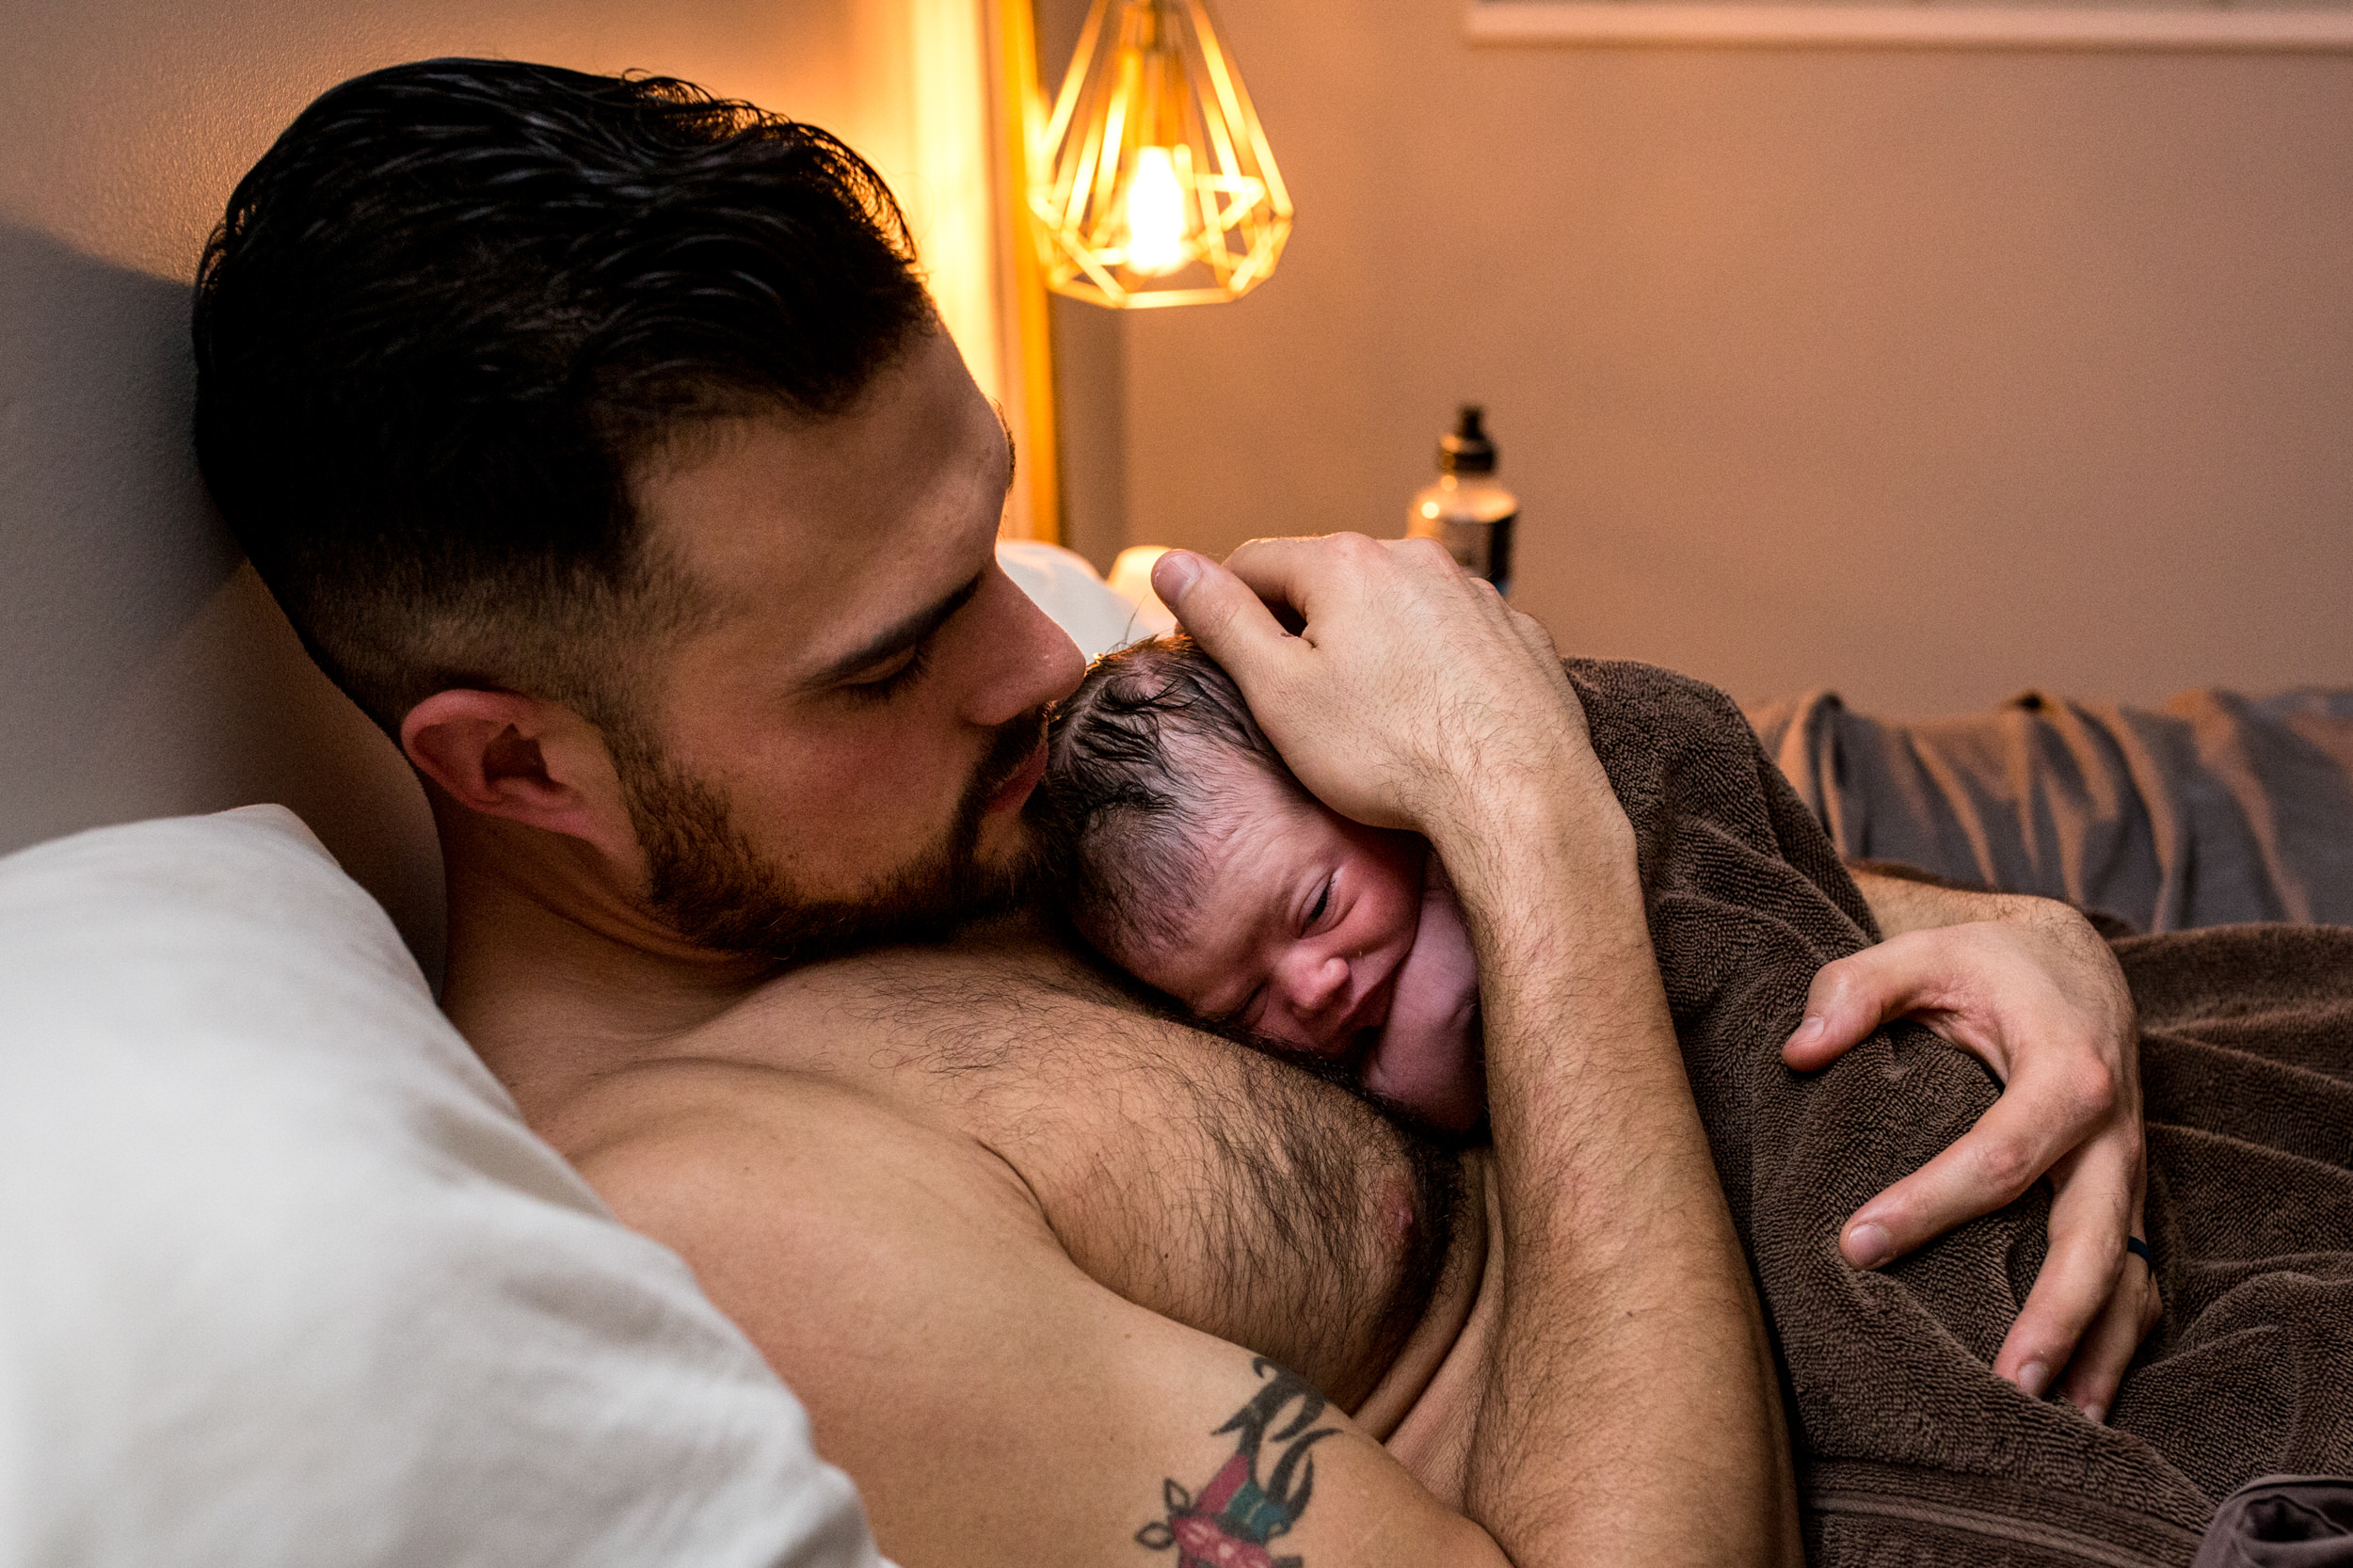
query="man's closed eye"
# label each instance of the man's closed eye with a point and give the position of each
(907, 671)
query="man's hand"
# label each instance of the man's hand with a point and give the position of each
(2028, 988)
(1406, 670)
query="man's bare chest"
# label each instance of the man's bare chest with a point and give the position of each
(1220, 1189)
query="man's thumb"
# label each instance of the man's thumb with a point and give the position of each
(1174, 573)
(1219, 610)
(1850, 997)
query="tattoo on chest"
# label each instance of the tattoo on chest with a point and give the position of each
(1232, 1518)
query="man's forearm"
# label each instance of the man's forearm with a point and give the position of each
(1903, 903)
(1629, 1375)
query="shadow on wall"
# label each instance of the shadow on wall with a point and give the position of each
(144, 670)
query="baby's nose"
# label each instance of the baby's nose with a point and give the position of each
(1317, 982)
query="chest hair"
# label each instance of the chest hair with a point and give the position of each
(1225, 1190)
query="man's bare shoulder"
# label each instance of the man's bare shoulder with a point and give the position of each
(992, 1122)
(955, 1332)
(844, 1116)
(985, 1039)
(846, 1051)
(1008, 972)
(686, 1120)
(802, 1204)
(738, 1164)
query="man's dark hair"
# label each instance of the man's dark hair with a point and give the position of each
(1122, 813)
(459, 299)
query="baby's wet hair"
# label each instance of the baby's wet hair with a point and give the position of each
(1125, 801)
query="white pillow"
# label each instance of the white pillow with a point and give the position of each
(285, 1280)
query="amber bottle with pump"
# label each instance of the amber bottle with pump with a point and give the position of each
(1468, 511)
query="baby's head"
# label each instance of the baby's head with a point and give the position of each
(1188, 854)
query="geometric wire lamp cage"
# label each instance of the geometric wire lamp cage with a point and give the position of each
(1155, 184)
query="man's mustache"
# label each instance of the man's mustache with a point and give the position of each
(1017, 740)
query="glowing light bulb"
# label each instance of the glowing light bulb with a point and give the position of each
(1155, 214)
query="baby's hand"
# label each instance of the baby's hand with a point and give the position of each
(1427, 1058)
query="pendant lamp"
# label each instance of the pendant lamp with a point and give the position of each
(1155, 186)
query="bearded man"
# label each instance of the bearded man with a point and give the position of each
(603, 445)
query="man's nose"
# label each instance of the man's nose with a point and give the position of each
(1022, 658)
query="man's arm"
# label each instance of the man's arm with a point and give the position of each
(1626, 1407)
(1024, 1352)
(1629, 1345)
(999, 1406)
(1902, 905)
(2027, 987)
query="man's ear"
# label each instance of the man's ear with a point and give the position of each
(530, 761)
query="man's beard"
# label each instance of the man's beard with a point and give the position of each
(709, 883)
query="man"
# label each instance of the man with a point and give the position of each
(602, 444)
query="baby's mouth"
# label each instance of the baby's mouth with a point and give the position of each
(1371, 1010)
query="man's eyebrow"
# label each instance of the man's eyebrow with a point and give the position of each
(897, 639)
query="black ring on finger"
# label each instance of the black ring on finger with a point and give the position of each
(2139, 1249)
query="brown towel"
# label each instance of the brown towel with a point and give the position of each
(1910, 1450)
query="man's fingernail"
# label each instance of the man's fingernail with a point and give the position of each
(1174, 573)
(2096, 1413)
(1868, 1246)
(2033, 1378)
(1807, 1030)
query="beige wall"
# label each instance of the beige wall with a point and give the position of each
(1924, 374)
(142, 670)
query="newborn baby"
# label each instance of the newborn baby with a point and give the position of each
(1189, 856)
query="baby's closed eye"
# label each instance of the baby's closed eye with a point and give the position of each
(1321, 902)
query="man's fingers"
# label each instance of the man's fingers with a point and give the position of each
(1218, 609)
(1991, 1164)
(2090, 1212)
(1855, 995)
(2107, 1349)
(1532, 633)
(1407, 687)
(1298, 572)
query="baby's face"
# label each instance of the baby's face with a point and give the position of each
(1300, 922)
